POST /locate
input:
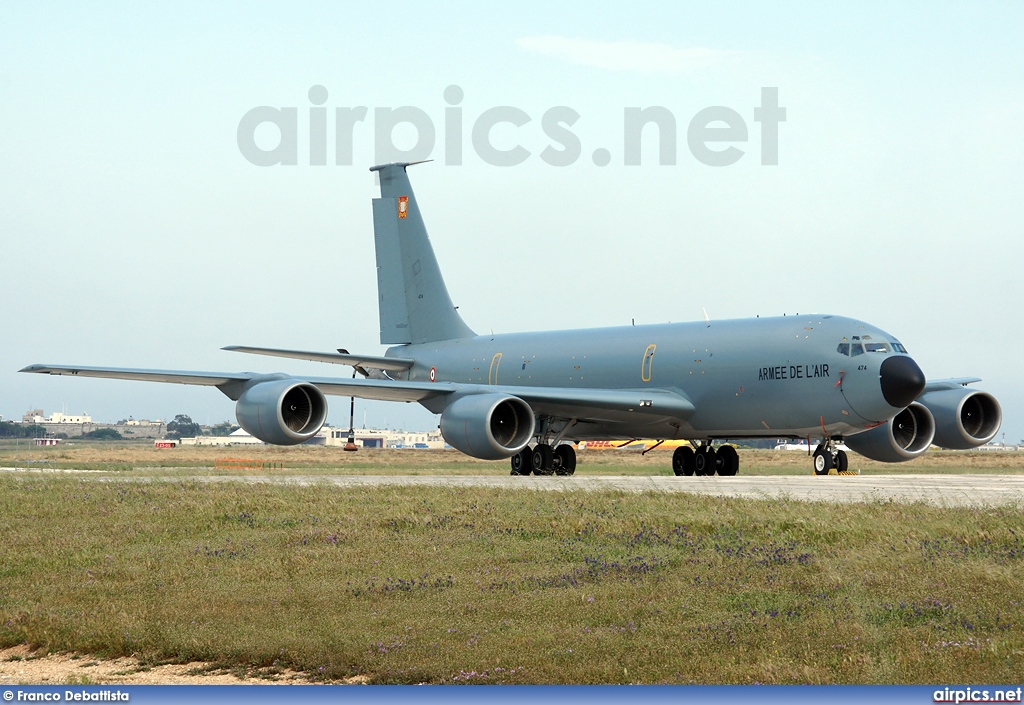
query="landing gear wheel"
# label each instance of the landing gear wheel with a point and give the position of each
(542, 460)
(842, 462)
(728, 461)
(565, 460)
(683, 461)
(706, 461)
(822, 461)
(521, 462)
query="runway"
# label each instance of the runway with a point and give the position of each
(940, 490)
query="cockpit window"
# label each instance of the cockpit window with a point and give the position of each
(876, 347)
(850, 349)
(898, 346)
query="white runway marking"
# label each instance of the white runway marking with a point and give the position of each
(942, 490)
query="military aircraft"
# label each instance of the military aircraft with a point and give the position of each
(528, 396)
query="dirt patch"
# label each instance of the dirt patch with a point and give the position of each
(19, 665)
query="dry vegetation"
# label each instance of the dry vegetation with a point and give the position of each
(473, 585)
(476, 585)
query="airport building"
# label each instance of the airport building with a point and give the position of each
(36, 416)
(328, 436)
(76, 425)
(239, 438)
(376, 438)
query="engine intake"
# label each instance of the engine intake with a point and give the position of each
(964, 418)
(904, 437)
(488, 426)
(283, 412)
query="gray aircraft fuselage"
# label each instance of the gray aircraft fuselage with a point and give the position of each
(754, 377)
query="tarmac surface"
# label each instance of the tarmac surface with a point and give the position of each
(941, 490)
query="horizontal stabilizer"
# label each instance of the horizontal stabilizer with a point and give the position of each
(370, 362)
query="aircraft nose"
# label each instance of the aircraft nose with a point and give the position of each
(902, 381)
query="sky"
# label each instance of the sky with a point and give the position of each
(136, 231)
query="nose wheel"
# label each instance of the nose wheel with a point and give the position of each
(827, 456)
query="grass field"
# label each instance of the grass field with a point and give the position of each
(139, 457)
(475, 585)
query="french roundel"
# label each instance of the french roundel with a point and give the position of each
(433, 375)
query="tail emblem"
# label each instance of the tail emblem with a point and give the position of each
(403, 206)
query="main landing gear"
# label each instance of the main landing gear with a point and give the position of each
(827, 456)
(705, 460)
(542, 459)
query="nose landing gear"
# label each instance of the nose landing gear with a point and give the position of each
(827, 456)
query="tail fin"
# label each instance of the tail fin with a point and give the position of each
(414, 303)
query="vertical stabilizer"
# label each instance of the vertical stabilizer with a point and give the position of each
(414, 303)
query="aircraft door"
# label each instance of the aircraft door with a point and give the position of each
(647, 365)
(492, 374)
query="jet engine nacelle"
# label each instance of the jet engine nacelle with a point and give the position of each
(904, 437)
(964, 418)
(488, 426)
(284, 412)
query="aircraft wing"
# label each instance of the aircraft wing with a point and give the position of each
(382, 389)
(952, 383)
(565, 401)
(371, 362)
(557, 400)
(228, 382)
(210, 379)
